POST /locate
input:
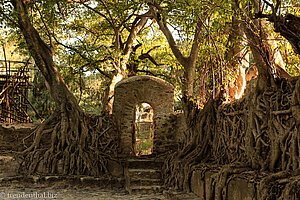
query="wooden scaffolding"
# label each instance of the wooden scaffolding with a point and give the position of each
(14, 87)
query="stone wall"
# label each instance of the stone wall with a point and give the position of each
(239, 186)
(257, 133)
(169, 130)
(11, 141)
(12, 135)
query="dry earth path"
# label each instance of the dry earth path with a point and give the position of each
(67, 191)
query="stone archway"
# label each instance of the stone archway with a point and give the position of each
(139, 89)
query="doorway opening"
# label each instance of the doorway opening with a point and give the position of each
(144, 129)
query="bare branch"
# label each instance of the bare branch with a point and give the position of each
(269, 4)
(153, 48)
(108, 12)
(148, 56)
(129, 17)
(278, 3)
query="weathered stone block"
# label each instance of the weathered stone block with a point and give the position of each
(198, 184)
(241, 189)
(238, 188)
(208, 183)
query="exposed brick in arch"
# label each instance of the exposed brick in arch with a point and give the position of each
(140, 89)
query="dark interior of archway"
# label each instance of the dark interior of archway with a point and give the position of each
(144, 129)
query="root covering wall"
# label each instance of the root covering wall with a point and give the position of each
(262, 129)
(259, 133)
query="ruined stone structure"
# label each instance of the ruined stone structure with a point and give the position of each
(148, 174)
(132, 91)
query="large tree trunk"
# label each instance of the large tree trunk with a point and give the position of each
(287, 26)
(257, 36)
(42, 55)
(111, 90)
(74, 143)
(237, 59)
(188, 62)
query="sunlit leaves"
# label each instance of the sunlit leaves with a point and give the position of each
(84, 38)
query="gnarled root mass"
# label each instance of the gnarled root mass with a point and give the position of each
(178, 166)
(78, 144)
(261, 132)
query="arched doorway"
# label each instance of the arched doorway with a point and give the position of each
(133, 91)
(144, 129)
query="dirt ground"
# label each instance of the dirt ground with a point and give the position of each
(62, 190)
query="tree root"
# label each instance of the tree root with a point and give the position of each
(80, 144)
(260, 130)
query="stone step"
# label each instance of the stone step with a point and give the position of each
(144, 164)
(145, 182)
(144, 173)
(146, 190)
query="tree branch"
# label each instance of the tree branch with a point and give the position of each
(287, 26)
(132, 36)
(99, 13)
(164, 28)
(195, 47)
(134, 31)
(153, 74)
(38, 48)
(8, 18)
(147, 55)
(108, 12)
(109, 76)
(43, 57)
(47, 29)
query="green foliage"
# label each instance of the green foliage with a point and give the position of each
(92, 93)
(40, 98)
(144, 141)
(83, 36)
(144, 146)
(291, 60)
